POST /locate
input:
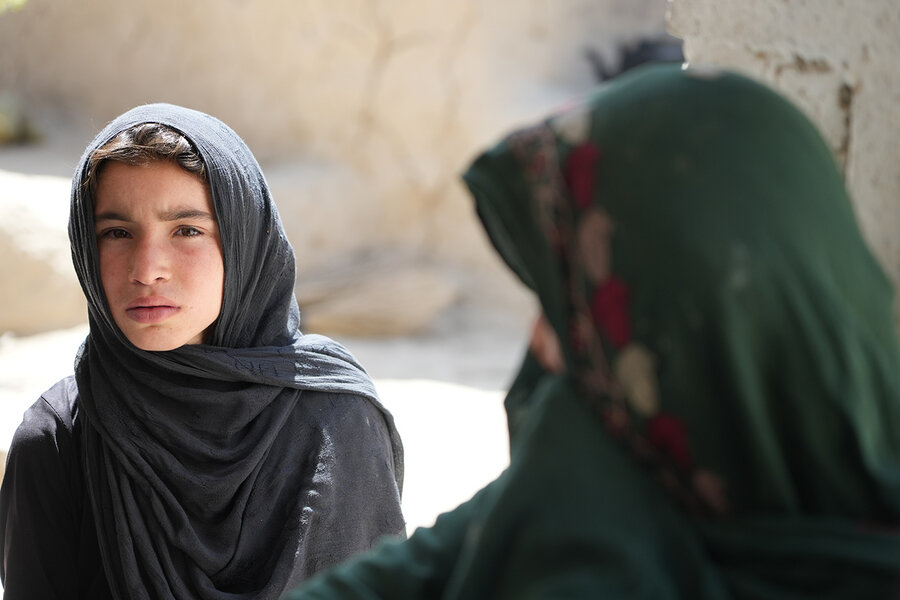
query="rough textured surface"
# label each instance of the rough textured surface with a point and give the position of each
(837, 60)
(39, 290)
(376, 295)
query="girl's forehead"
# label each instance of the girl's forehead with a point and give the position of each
(159, 188)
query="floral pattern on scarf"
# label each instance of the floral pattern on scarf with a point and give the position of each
(616, 371)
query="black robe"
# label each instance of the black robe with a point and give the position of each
(47, 528)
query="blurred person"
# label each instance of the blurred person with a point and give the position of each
(710, 405)
(204, 447)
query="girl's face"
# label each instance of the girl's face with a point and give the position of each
(160, 254)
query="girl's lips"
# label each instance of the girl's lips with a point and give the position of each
(151, 314)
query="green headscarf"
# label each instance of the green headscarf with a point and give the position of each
(728, 423)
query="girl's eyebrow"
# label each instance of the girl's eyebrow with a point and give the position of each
(185, 213)
(173, 215)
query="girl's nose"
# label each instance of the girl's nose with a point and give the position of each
(149, 262)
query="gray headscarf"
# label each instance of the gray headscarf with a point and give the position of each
(207, 465)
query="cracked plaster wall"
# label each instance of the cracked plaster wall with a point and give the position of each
(837, 59)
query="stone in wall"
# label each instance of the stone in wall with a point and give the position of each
(376, 295)
(40, 291)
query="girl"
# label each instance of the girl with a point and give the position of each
(204, 448)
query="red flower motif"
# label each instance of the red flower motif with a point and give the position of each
(609, 309)
(579, 173)
(669, 434)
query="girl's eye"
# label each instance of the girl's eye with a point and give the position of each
(114, 234)
(187, 231)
